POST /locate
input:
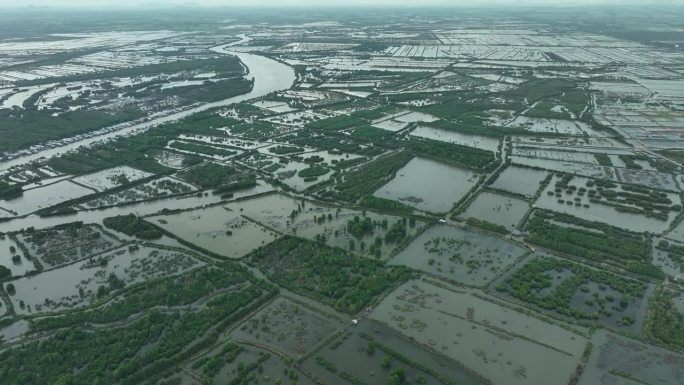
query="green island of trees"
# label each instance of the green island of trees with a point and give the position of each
(313, 171)
(469, 157)
(132, 225)
(5, 272)
(10, 191)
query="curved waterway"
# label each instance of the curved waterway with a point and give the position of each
(269, 76)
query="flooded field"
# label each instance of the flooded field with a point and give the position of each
(583, 169)
(44, 197)
(274, 106)
(230, 361)
(13, 258)
(336, 226)
(574, 201)
(110, 178)
(557, 126)
(554, 154)
(290, 172)
(401, 120)
(287, 327)
(501, 344)
(577, 293)
(619, 360)
(356, 198)
(155, 189)
(482, 142)
(15, 330)
(216, 229)
(428, 185)
(520, 180)
(499, 209)
(66, 243)
(327, 158)
(648, 178)
(458, 255)
(170, 159)
(140, 208)
(84, 282)
(671, 264)
(677, 233)
(369, 352)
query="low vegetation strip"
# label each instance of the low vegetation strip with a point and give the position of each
(337, 123)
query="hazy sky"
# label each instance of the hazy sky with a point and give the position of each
(137, 3)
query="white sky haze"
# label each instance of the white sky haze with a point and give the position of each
(271, 3)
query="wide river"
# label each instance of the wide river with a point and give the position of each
(269, 76)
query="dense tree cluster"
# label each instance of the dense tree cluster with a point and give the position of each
(397, 232)
(360, 227)
(343, 279)
(4, 272)
(665, 322)
(23, 128)
(130, 354)
(313, 171)
(133, 226)
(469, 157)
(10, 191)
(138, 150)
